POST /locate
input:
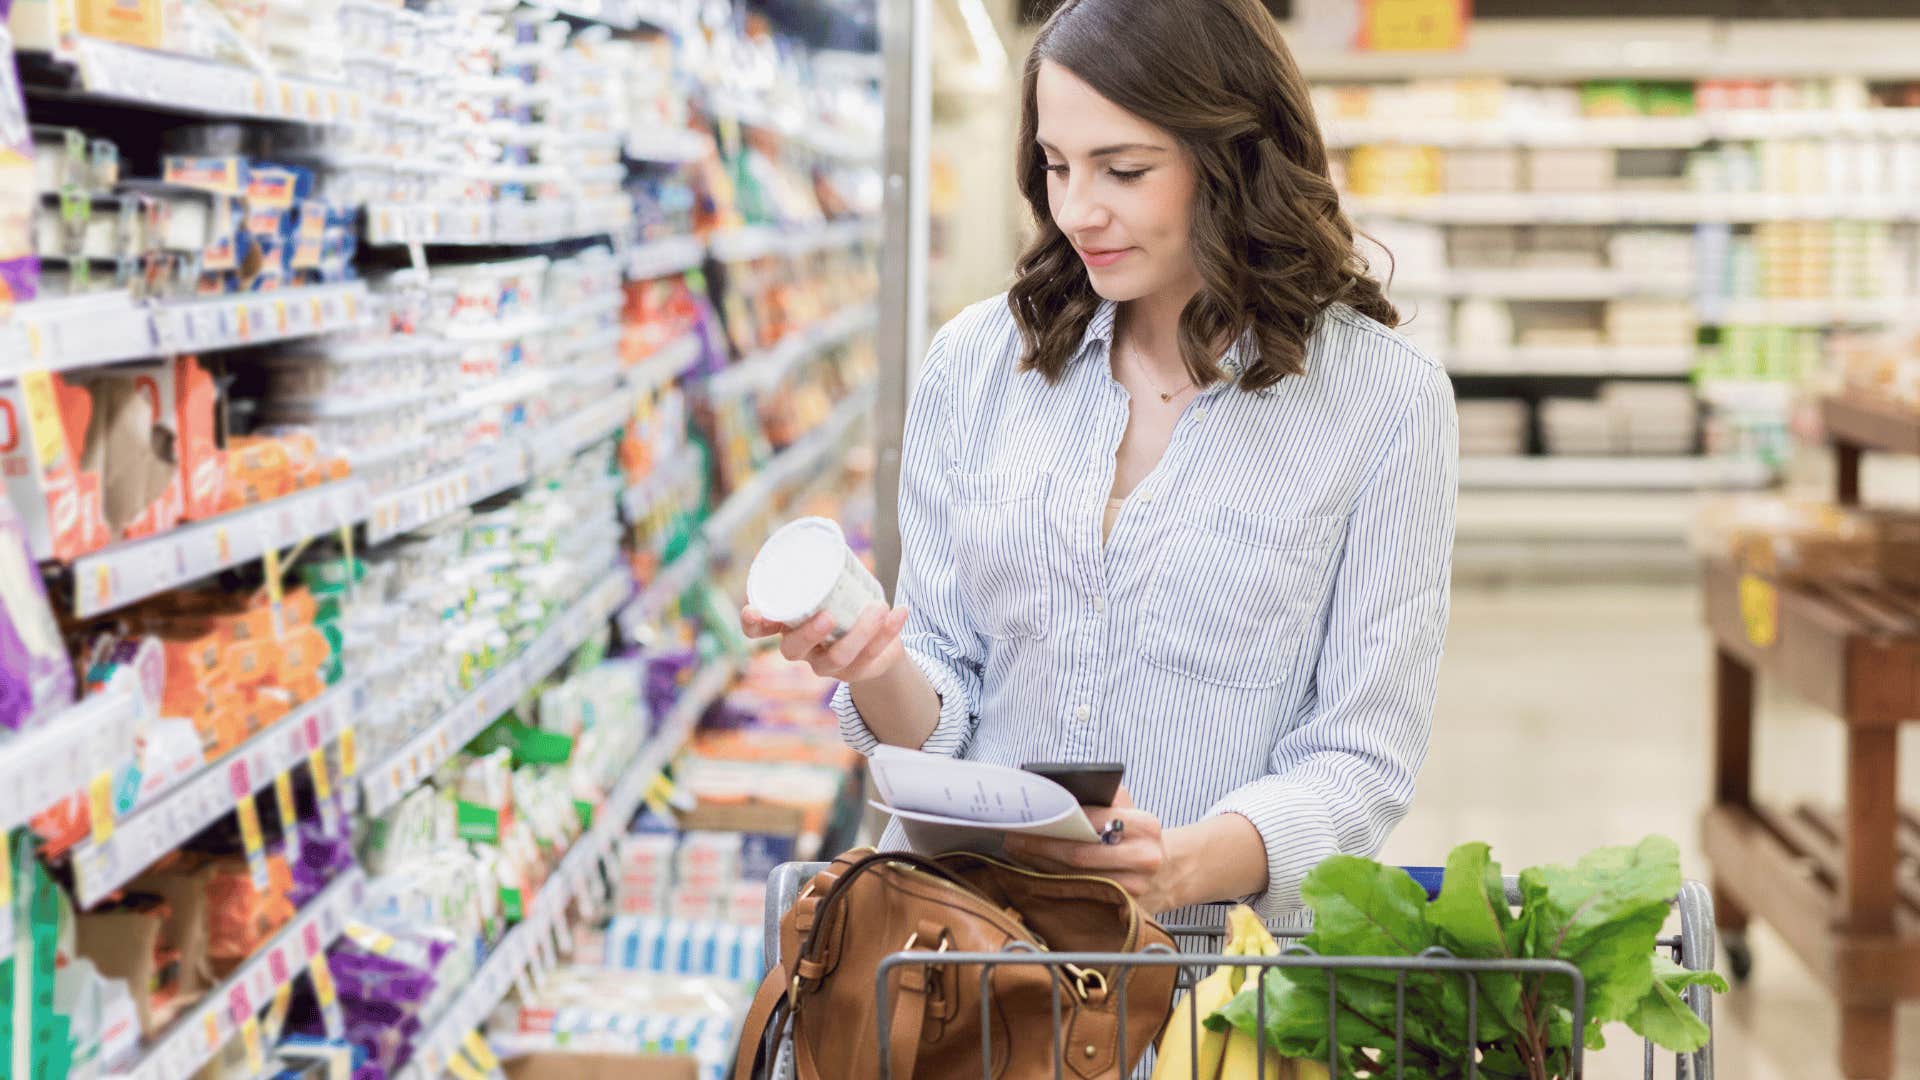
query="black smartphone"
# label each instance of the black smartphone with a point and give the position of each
(1091, 784)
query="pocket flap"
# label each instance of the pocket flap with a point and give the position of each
(1005, 486)
(1270, 530)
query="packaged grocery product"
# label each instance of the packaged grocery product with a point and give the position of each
(806, 569)
(36, 677)
(44, 421)
(19, 199)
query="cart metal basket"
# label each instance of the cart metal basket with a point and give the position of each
(1200, 944)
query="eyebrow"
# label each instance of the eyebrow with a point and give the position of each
(1106, 151)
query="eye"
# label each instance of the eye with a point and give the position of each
(1126, 177)
(1058, 170)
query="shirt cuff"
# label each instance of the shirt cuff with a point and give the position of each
(1296, 829)
(950, 733)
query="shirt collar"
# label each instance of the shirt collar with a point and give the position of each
(1100, 329)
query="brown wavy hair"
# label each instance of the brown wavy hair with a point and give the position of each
(1271, 244)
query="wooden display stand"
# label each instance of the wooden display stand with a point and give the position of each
(1832, 885)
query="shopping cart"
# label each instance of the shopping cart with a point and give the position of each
(1200, 943)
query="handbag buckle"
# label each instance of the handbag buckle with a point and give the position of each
(1083, 978)
(793, 994)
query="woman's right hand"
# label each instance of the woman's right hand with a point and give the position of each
(869, 650)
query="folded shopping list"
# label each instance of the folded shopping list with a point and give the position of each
(948, 805)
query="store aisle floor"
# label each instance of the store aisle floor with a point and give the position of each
(1573, 717)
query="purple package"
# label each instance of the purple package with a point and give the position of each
(19, 188)
(322, 859)
(38, 676)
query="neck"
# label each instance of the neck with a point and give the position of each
(1152, 325)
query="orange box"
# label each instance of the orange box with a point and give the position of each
(132, 22)
(251, 662)
(203, 465)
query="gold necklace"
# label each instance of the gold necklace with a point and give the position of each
(1140, 366)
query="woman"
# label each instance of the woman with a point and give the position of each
(1180, 498)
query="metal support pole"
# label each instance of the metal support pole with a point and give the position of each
(907, 92)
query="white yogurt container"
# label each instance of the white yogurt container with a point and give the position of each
(806, 569)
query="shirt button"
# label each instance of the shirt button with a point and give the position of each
(1200, 413)
(1082, 713)
(1146, 496)
(1099, 603)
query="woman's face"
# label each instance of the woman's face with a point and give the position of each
(1120, 189)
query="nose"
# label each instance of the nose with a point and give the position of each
(1076, 208)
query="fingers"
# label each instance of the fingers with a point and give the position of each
(844, 652)
(1144, 855)
(799, 642)
(1122, 799)
(1135, 823)
(876, 656)
(756, 625)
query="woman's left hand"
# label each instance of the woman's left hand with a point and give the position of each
(1139, 862)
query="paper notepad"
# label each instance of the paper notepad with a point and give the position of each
(948, 805)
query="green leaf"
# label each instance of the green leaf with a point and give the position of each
(1472, 918)
(1663, 1014)
(1296, 1015)
(1361, 908)
(1603, 915)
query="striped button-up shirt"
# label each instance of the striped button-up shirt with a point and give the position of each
(1260, 632)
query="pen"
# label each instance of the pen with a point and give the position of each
(1111, 834)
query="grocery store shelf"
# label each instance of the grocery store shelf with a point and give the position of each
(134, 570)
(1629, 132)
(751, 242)
(194, 1039)
(665, 365)
(496, 224)
(486, 474)
(1631, 207)
(105, 328)
(764, 371)
(162, 824)
(659, 258)
(1551, 472)
(666, 587)
(1806, 313)
(511, 463)
(517, 951)
(62, 756)
(1551, 362)
(1545, 283)
(403, 770)
(183, 84)
(673, 146)
(638, 499)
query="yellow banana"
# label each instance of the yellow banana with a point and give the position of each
(1214, 1051)
(1244, 1056)
(1178, 1051)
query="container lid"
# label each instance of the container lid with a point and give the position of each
(796, 569)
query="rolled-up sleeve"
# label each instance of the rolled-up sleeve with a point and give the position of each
(1341, 779)
(938, 637)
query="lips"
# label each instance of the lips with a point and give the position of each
(1096, 258)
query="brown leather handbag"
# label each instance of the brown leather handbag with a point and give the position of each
(866, 906)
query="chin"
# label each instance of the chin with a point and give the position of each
(1118, 288)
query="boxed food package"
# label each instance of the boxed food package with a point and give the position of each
(131, 22)
(133, 444)
(43, 429)
(155, 940)
(202, 462)
(36, 676)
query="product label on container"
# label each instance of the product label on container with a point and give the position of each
(220, 175)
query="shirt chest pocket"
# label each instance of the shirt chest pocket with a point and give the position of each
(1000, 548)
(1232, 594)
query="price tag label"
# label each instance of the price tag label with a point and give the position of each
(464, 1069)
(277, 1012)
(239, 1006)
(289, 814)
(310, 937)
(276, 589)
(239, 780)
(250, 1036)
(374, 941)
(477, 1049)
(100, 807)
(6, 896)
(253, 842)
(242, 323)
(210, 1030)
(328, 997)
(349, 757)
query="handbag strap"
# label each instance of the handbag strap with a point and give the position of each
(762, 1017)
